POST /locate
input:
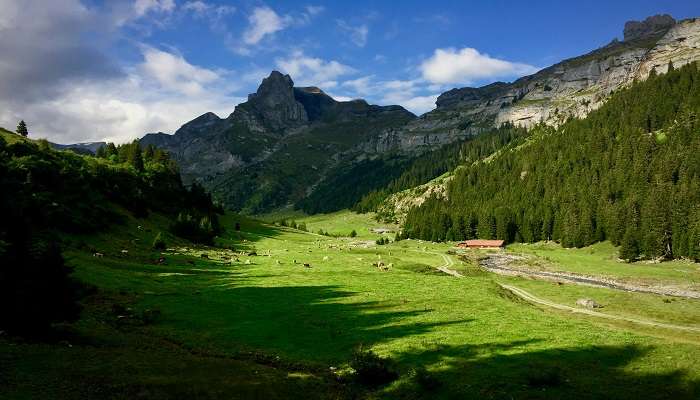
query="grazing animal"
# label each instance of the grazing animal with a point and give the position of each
(278, 262)
(307, 265)
(125, 251)
(161, 260)
(247, 262)
(326, 258)
(98, 255)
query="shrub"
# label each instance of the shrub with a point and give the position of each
(36, 289)
(426, 380)
(382, 241)
(198, 230)
(371, 369)
(158, 242)
(545, 377)
(353, 234)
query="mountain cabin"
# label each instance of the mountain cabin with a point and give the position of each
(481, 244)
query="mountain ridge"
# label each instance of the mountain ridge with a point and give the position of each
(283, 128)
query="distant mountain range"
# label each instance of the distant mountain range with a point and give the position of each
(285, 142)
(85, 148)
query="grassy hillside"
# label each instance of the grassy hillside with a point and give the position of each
(46, 195)
(234, 325)
(287, 172)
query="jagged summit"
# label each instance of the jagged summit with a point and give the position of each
(651, 26)
(279, 146)
(274, 102)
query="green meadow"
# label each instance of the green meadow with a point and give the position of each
(247, 319)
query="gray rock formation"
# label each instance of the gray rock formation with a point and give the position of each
(279, 132)
(571, 88)
(650, 27)
(279, 145)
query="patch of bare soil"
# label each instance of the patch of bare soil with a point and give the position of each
(508, 264)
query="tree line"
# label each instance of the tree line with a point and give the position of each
(46, 193)
(628, 173)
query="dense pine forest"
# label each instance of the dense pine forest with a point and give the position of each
(628, 173)
(46, 194)
(367, 183)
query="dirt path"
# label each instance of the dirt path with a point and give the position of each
(503, 264)
(536, 300)
(446, 266)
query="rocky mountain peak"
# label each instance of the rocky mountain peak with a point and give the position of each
(276, 85)
(651, 26)
(275, 102)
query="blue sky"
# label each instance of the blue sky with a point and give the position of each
(93, 70)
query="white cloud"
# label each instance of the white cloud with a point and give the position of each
(311, 71)
(198, 6)
(142, 7)
(415, 95)
(262, 22)
(467, 65)
(341, 98)
(362, 86)
(159, 94)
(172, 72)
(314, 10)
(358, 34)
(203, 9)
(419, 104)
(408, 94)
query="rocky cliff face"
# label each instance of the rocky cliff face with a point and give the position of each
(571, 88)
(278, 146)
(274, 148)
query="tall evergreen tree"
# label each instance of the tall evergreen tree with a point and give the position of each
(22, 129)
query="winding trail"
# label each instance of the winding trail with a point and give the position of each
(536, 300)
(501, 264)
(446, 266)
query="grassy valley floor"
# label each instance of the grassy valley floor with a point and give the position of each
(247, 319)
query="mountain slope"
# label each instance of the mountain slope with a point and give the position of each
(628, 173)
(274, 148)
(290, 146)
(571, 88)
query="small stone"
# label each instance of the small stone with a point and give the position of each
(588, 303)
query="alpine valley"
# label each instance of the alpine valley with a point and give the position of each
(534, 239)
(298, 147)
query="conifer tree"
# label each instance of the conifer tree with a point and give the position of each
(22, 129)
(630, 246)
(135, 156)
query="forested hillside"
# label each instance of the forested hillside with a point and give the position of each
(46, 194)
(628, 173)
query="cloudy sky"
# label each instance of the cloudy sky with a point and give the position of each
(89, 70)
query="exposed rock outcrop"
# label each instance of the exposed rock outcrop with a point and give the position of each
(650, 27)
(279, 145)
(571, 88)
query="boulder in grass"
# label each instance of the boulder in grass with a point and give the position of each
(588, 303)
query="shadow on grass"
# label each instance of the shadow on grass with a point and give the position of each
(506, 372)
(314, 323)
